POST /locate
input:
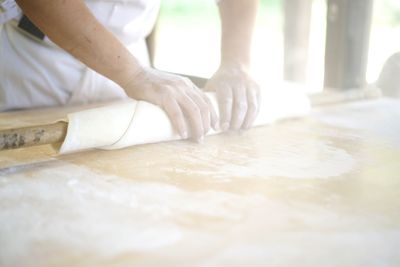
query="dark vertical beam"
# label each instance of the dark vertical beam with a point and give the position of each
(347, 43)
(296, 31)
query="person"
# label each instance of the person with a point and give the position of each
(59, 52)
(389, 78)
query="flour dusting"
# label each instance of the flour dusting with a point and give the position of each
(76, 208)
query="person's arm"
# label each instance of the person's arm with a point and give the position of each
(72, 26)
(237, 92)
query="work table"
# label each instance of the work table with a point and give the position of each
(322, 190)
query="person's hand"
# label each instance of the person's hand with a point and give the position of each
(190, 111)
(238, 97)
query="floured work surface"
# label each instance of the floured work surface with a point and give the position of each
(318, 191)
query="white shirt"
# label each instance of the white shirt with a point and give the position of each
(38, 73)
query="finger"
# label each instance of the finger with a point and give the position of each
(193, 115)
(252, 107)
(175, 114)
(239, 108)
(213, 113)
(195, 94)
(225, 101)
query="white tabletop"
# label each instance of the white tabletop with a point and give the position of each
(318, 191)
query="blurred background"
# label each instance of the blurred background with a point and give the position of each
(188, 39)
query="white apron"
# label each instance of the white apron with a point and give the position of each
(37, 73)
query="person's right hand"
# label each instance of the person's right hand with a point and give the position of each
(190, 111)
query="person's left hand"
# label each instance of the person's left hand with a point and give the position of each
(238, 97)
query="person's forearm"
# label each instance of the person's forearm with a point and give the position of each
(71, 25)
(237, 21)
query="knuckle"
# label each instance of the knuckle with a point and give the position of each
(168, 88)
(169, 84)
(186, 82)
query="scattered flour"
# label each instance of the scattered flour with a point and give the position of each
(296, 158)
(300, 159)
(80, 210)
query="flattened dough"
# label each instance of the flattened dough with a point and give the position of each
(130, 122)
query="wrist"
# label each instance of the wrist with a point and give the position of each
(129, 77)
(240, 65)
(132, 80)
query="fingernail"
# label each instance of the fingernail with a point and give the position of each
(184, 135)
(200, 140)
(225, 126)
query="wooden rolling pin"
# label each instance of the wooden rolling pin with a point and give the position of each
(33, 136)
(56, 132)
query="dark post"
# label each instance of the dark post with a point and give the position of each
(347, 42)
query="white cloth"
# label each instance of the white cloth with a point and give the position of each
(132, 122)
(38, 73)
(8, 10)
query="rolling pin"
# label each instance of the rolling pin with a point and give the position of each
(33, 136)
(56, 132)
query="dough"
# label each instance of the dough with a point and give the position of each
(130, 122)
